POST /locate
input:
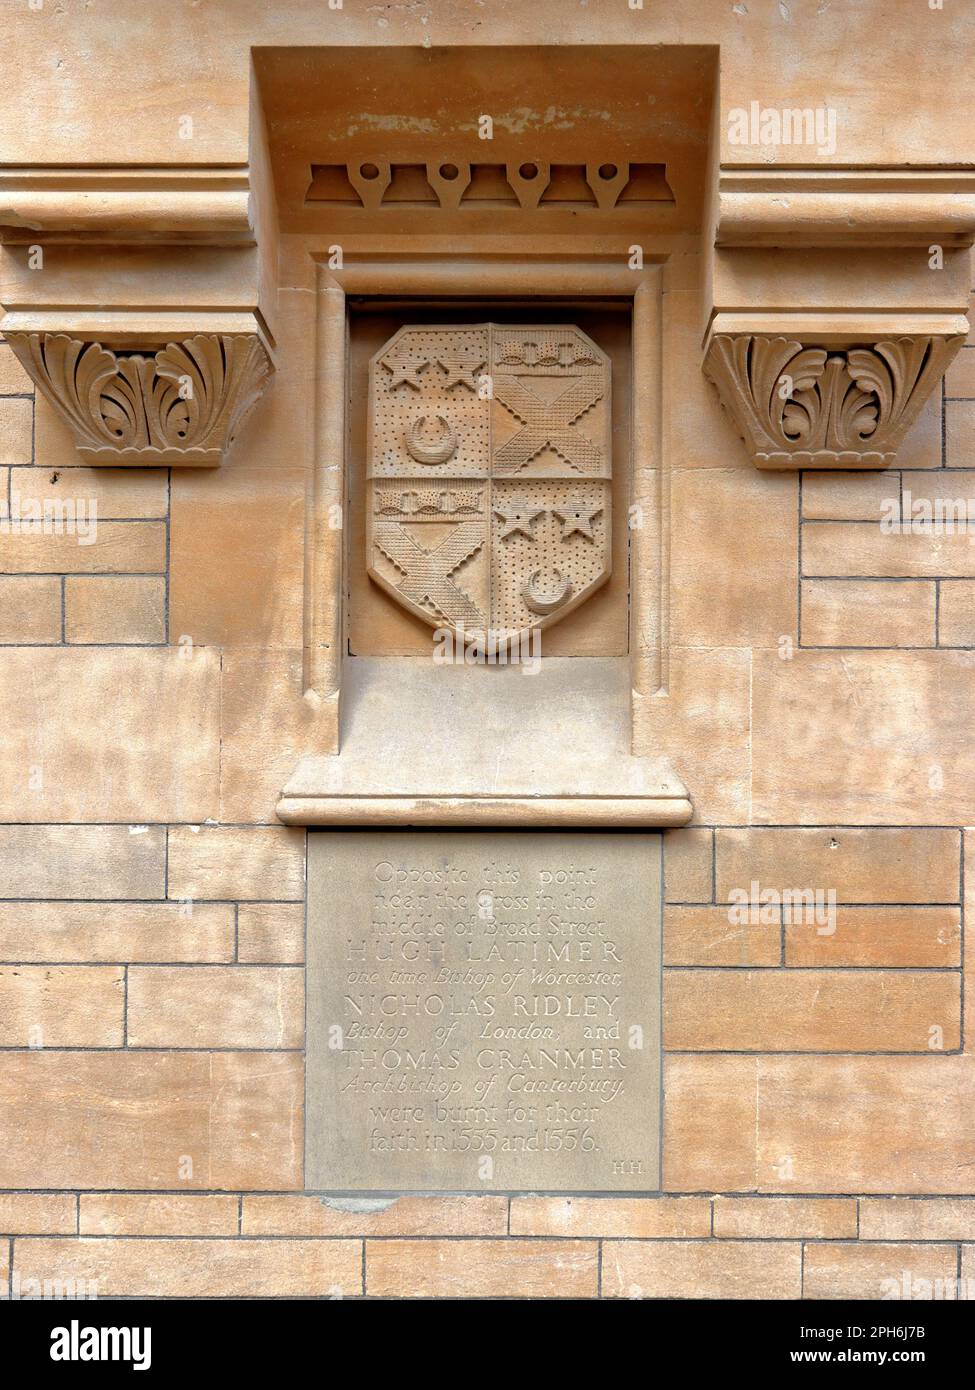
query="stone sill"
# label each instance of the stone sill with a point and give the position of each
(452, 745)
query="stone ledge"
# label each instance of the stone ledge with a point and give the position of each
(635, 812)
(550, 749)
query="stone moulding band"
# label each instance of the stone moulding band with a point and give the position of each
(185, 203)
(774, 206)
(178, 405)
(801, 404)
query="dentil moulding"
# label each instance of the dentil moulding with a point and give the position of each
(177, 405)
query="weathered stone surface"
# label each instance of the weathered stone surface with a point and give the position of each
(544, 1076)
(610, 1216)
(481, 1269)
(113, 931)
(968, 942)
(810, 1011)
(266, 725)
(896, 1124)
(13, 378)
(215, 1006)
(16, 423)
(868, 613)
(702, 1269)
(37, 1214)
(863, 865)
(109, 548)
(960, 376)
(766, 1218)
(928, 936)
(114, 608)
(137, 494)
(688, 869)
(879, 1271)
(62, 1005)
(846, 496)
(863, 738)
(271, 933)
(960, 434)
(98, 1119)
(148, 1268)
(910, 1218)
(852, 550)
(75, 751)
(401, 1216)
(703, 724)
(956, 613)
(922, 444)
(150, 1214)
(236, 575)
(718, 515)
(30, 608)
(709, 1123)
(82, 861)
(252, 862)
(706, 936)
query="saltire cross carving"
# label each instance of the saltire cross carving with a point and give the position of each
(427, 572)
(548, 423)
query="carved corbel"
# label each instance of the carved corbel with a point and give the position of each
(178, 405)
(806, 401)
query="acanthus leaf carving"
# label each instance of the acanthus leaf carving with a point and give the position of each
(180, 405)
(799, 405)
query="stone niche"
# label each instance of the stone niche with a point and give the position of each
(490, 342)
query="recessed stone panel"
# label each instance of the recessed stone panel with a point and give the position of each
(483, 1011)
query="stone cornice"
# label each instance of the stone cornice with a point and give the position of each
(776, 206)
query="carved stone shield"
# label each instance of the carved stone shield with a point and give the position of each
(489, 474)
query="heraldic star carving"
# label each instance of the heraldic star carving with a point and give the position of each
(519, 505)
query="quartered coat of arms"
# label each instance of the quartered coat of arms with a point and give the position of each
(489, 475)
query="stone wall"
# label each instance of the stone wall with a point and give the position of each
(818, 1086)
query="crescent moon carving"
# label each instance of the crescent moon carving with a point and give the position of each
(438, 452)
(543, 603)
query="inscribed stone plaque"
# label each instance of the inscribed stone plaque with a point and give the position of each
(483, 1011)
